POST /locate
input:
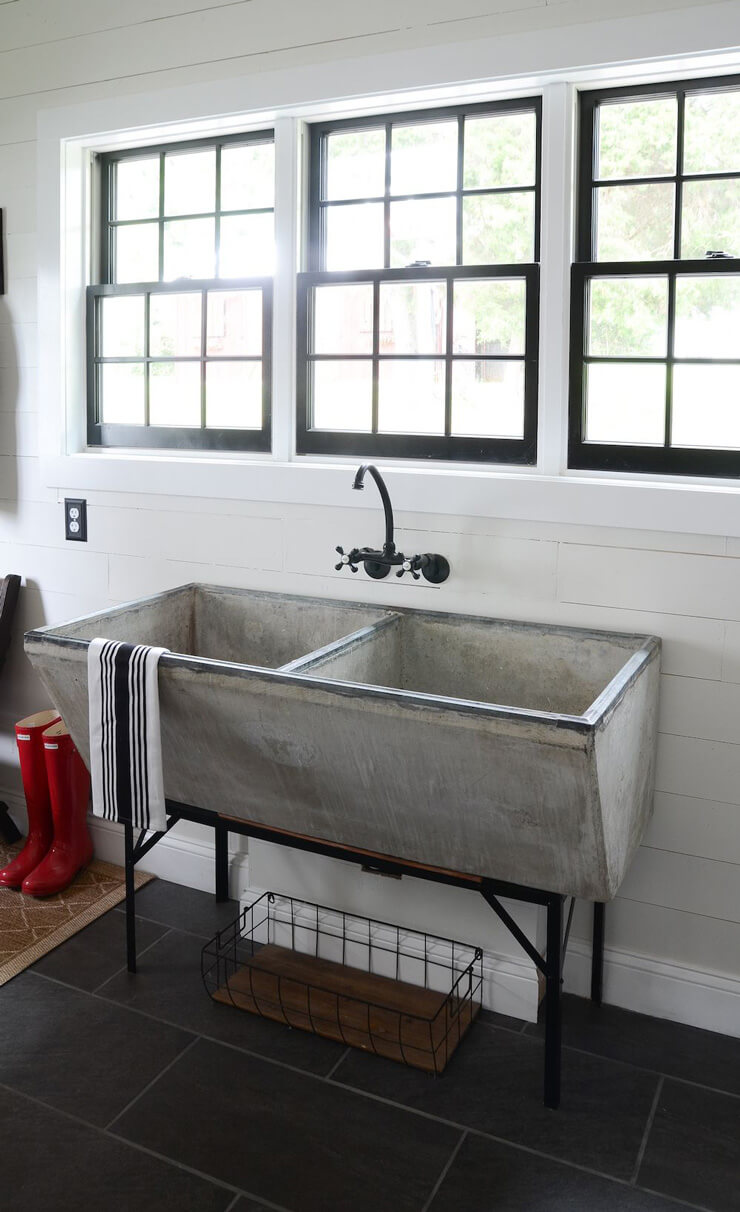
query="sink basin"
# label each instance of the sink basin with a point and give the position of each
(235, 625)
(542, 669)
(508, 750)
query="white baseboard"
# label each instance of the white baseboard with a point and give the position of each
(637, 982)
(180, 859)
(509, 985)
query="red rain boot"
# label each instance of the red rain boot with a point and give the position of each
(69, 788)
(36, 788)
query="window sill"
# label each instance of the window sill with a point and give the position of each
(522, 495)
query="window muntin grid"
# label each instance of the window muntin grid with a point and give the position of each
(410, 219)
(184, 366)
(192, 211)
(655, 368)
(392, 361)
(198, 219)
(453, 186)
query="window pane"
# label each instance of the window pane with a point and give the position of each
(489, 316)
(355, 164)
(424, 158)
(711, 142)
(190, 182)
(175, 325)
(234, 323)
(411, 396)
(636, 139)
(137, 189)
(413, 317)
(625, 403)
(711, 218)
(628, 317)
(234, 395)
(247, 246)
(354, 236)
(342, 396)
(247, 176)
(423, 231)
(634, 222)
(500, 150)
(174, 393)
(707, 317)
(706, 407)
(122, 391)
(137, 253)
(123, 326)
(343, 319)
(498, 229)
(488, 398)
(189, 249)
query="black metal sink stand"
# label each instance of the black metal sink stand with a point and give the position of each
(549, 963)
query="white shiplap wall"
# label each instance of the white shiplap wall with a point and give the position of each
(674, 931)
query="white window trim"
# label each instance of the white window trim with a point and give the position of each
(520, 64)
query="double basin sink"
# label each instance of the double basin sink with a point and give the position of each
(501, 749)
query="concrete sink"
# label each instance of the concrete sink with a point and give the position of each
(519, 752)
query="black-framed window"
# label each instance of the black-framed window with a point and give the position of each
(418, 316)
(655, 302)
(179, 330)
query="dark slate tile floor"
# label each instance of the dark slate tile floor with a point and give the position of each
(139, 1093)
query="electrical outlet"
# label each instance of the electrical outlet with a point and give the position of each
(75, 519)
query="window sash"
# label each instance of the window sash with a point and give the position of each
(666, 459)
(446, 447)
(318, 206)
(109, 224)
(624, 457)
(588, 106)
(101, 433)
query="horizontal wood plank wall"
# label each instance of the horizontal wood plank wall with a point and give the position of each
(681, 901)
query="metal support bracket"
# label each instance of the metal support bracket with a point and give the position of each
(549, 964)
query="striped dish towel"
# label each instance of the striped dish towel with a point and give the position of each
(125, 741)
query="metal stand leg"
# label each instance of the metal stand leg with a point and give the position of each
(597, 953)
(553, 981)
(128, 846)
(222, 861)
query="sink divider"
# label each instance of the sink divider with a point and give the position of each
(313, 661)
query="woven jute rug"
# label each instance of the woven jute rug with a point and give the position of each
(30, 927)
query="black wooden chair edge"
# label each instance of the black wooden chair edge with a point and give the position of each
(9, 590)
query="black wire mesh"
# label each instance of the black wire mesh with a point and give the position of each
(401, 993)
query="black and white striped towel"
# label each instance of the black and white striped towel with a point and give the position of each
(125, 741)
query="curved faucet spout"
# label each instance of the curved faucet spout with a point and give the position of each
(390, 545)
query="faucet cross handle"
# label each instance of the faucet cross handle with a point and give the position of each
(410, 566)
(347, 560)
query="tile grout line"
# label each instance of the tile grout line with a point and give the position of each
(153, 1082)
(648, 1127)
(124, 967)
(445, 1171)
(178, 1165)
(615, 1060)
(154, 921)
(328, 1076)
(138, 1148)
(368, 1094)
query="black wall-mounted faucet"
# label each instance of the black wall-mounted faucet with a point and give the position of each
(377, 564)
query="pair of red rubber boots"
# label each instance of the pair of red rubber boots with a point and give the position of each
(57, 789)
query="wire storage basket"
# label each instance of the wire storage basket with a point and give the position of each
(400, 993)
